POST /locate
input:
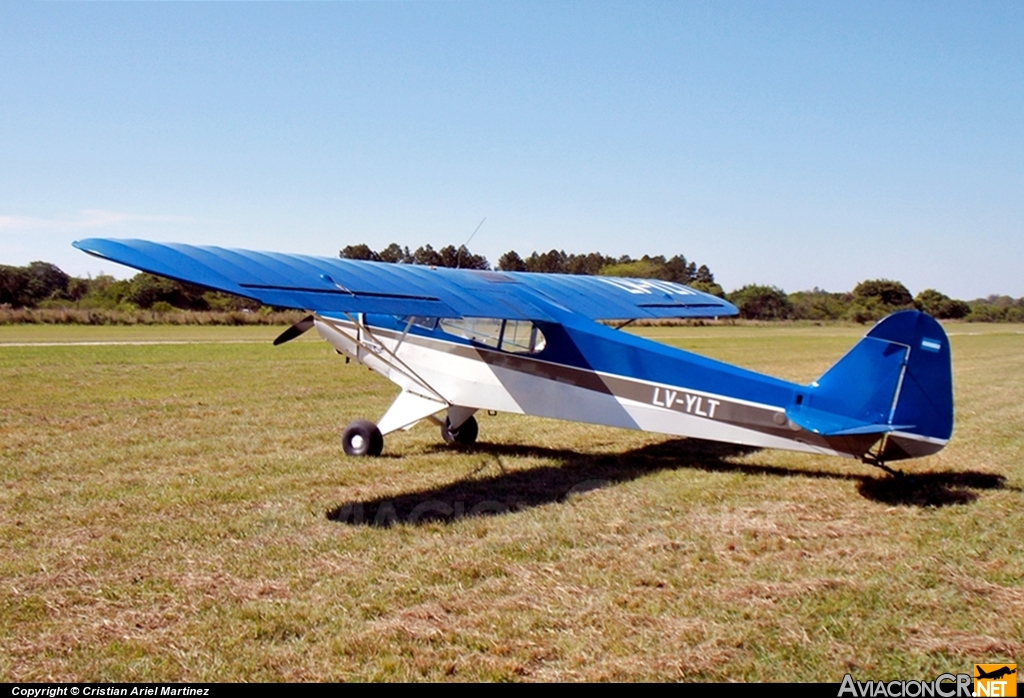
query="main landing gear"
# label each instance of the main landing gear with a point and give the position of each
(363, 438)
(464, 435)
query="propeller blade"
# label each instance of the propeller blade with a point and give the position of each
(295, 330)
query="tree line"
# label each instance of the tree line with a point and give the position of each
(676, 268)
(44, 285)
(870, 300)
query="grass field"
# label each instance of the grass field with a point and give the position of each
(183, 511)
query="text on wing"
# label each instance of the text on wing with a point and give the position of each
(649, 286)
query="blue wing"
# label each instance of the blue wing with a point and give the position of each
(325, 284)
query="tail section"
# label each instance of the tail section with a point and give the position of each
(895, 384)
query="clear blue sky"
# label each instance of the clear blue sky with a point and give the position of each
(794, 144)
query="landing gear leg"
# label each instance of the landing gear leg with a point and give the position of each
(362, 438)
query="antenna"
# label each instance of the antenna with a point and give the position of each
(458, 255)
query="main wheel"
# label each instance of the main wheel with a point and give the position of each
(464, 436)
(362, 438)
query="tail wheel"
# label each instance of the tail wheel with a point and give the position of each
(362, 438)
(464, 435)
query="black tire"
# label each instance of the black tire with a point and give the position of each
(465, 435)
(362, 438)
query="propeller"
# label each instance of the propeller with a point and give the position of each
(295, 330)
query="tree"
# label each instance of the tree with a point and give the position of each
(107, 292)
(996, 309)
(636, 269)
(589, 264)
(704, 275)
(461, 258)
(426, 255)
(360, 251)
(874, 299)
(890, 293)
(28, 286)
(715, 289)
(817, 304)
(679, 270)
(464, 259)
(449, 256)
(551, 262)
(228, 302)
(46, 280)
(77, 289)
(940, 306)
(511, 261)
(704, 280)
(149, 289)
(395, 254)
(985, 312)
(13, 286)
(761, 302)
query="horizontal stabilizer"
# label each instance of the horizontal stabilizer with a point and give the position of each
(871, 429)
(829, 424)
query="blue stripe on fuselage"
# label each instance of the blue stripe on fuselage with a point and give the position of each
(612, 351)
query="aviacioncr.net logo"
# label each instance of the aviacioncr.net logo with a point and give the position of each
(944, 686)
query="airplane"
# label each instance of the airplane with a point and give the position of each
(995, 674)
(457, 341)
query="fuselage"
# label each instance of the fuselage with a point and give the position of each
(582, 371)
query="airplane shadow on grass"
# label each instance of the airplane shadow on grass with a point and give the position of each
(576, 473)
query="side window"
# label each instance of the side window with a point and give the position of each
(514, 336)
(522, 337)
(482, 330)
(427, 323)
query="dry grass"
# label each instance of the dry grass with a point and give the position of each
(95, 316)
(183, 512)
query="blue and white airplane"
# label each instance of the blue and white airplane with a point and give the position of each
(457, 341)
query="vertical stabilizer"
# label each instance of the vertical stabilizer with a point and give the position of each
(896, 382)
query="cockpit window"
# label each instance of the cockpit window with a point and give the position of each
(522, 337)
(482, 330)
(427, 323)
(515, 336)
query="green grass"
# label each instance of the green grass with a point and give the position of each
(184, 512)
